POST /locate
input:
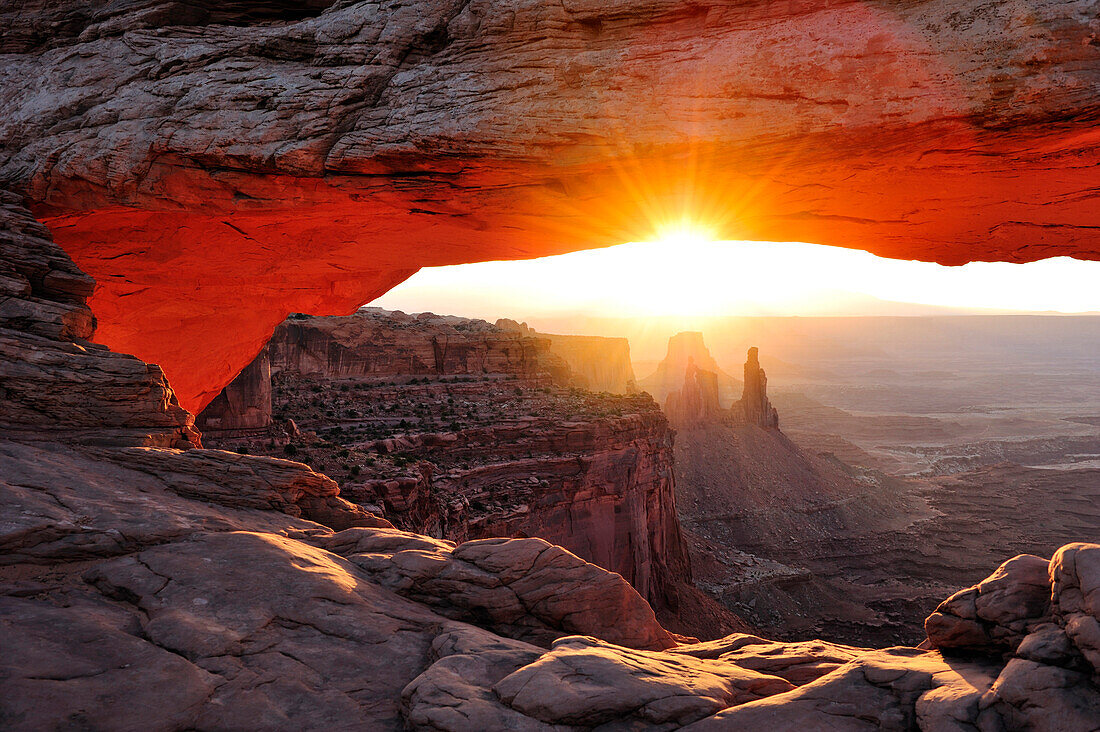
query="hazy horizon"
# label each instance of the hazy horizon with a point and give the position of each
(696, 280)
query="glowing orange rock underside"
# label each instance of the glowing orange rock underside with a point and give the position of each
(199, 289)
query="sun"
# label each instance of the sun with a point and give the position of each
(683, 233)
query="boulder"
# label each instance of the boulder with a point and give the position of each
(894, 689)
(525, 589)
(1075, 581)
(587, 682)
(997, 612)
(1035, 696)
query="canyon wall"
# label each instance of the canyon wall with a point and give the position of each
(598, 363)
(245, 402)
(218, 168)
(600, 487)
(507, 451)
(377, 343)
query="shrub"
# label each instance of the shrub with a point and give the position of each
(290, 448)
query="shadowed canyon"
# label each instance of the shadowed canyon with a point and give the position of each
(232, 496)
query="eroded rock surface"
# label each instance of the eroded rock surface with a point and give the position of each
(57, 384)
(586, 682)
(997, 612)
(696, 402)
(754, 407)
(526, 589)
(460, 429)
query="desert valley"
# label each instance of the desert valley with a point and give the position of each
(761, 391)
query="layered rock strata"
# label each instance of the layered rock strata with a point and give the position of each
(377, 343)
(57, 384)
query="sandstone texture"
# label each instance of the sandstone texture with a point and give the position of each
(378, 343)
(244, 405)
(56, 383)
(218, 167)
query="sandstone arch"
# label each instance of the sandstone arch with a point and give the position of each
(215, 173)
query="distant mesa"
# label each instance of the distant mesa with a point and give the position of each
(597, 363)
(381, 344)
(669, 375)
(697, 399)
(696, 402)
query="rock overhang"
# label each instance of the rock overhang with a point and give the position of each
(214, 177)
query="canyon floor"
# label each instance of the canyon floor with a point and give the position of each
(939, 459)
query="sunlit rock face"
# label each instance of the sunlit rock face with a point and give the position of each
(215, 166)
(55, 384)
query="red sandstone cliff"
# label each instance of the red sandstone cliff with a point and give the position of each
(602, 487)
(377, 343)
(245, 403)
(489, 443)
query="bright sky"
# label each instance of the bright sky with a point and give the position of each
(690, 277)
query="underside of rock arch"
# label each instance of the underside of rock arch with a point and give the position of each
(217, 168)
